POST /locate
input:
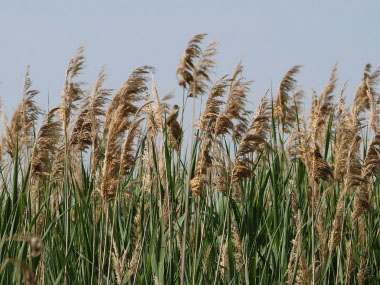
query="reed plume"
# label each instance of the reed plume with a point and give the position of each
(93, 122)
(21, 129)
(155, 113)
(13, 130)
(252, 141)
(221, 167)
(212, 109)
(201, 71)
(79, 135)
(371, 163)
(127, 153)
(117, 121)
(352, 179)
(302, 147)
(30, 111)
(204, 162)
(224, 260)
(322, 108)
(44, 149)
(87, 128)
(296, 241)
(283, 112)
(234, 106)
(349, 262)
(71, 92)
(58, 164)
(345, 134)
(45, 145)
(119, 263)
(186, 66)
(366, 87)
(236, 241)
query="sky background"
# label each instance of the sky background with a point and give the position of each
(269, 36)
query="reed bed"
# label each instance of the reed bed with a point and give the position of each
(110, 189)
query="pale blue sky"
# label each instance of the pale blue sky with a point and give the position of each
(270, 37)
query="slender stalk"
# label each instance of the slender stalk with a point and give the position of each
(223, 234)
(67, 198)
(112, 240)
(312, 234)
(187, 189)
(93, 237)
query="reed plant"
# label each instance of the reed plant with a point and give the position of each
(109, 188)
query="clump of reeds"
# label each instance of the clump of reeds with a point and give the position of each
(240, 198)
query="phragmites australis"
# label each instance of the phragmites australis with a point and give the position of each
(366, 87)
(78, 137)
(30, 111)
(127, 153)
(353, 176)
(236, 242)
(212, 109)
(119, 263)
(344, 135)
(45, 144)
(186, 66)
(322, 107)
(20, 131)
(360, 176)
(89, 120)
(71, 92)
(352, 179)
(154, 112)
(204, 162)
(201, 71)
(195, 65)
(283, 112)
(234, 106)
(253, 140)
(371, 164)
(118, 119)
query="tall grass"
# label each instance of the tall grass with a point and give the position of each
(117, 195)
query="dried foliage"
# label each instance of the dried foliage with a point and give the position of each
(127, 154)
(202, 70)
(20, 131)
(185, 68)
(118, 119)
(253, 140)
(285, 105)
(212, 109)
(203, 164)
(322, 108)
(72, 92)
(234, 106)
(46, 143)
